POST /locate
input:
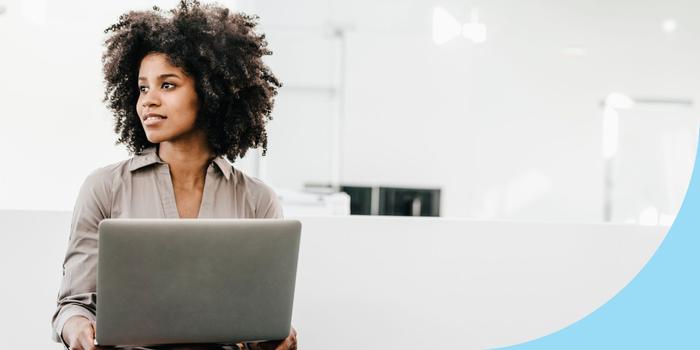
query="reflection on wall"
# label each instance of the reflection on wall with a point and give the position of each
(653, 160)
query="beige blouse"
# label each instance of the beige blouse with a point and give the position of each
(141, 187)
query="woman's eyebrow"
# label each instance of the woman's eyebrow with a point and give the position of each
(163, 76)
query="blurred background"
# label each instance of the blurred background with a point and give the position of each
(575, 111)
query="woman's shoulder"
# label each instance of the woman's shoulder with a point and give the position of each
(106, 176)
(98, 188)
(263, 200)
(252, 186)
(108, 172)
(123, 167)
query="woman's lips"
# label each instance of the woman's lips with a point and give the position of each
(153, 120)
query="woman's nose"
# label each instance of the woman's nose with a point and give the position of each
(150, 99)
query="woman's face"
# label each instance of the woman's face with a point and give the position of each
(167, 104)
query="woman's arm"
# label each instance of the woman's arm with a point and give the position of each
(269, 207)
(77, 294)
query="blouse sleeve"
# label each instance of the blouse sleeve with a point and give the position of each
(268, 205)
(77, 295)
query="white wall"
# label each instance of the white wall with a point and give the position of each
(56, 129)
(385, 283)
(508, 129)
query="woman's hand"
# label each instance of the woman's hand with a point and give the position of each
(79, 334)
(288, 343)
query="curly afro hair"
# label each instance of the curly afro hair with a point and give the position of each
(218, 49)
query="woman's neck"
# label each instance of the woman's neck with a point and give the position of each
(188, 160)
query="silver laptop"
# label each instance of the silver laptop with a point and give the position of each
(165, 281)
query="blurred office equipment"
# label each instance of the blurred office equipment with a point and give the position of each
(360, 199)
(396, 201)
(409, 201)
(313, 202)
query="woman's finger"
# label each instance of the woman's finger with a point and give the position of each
(283, 345)
(85, 342)
(289, 343)
(87, 338)
(292, 342)
(294, 338)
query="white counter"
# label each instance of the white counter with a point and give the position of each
(385, 282)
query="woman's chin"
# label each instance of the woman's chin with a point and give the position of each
(154, 138)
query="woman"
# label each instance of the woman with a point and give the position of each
(188, 90)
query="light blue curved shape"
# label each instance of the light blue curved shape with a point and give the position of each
(660, 307)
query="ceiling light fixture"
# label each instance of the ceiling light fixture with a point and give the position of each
(669, 25)
(474, 30)
(445, 26)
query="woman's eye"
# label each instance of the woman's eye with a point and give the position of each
(143, 88)
(168, 85)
